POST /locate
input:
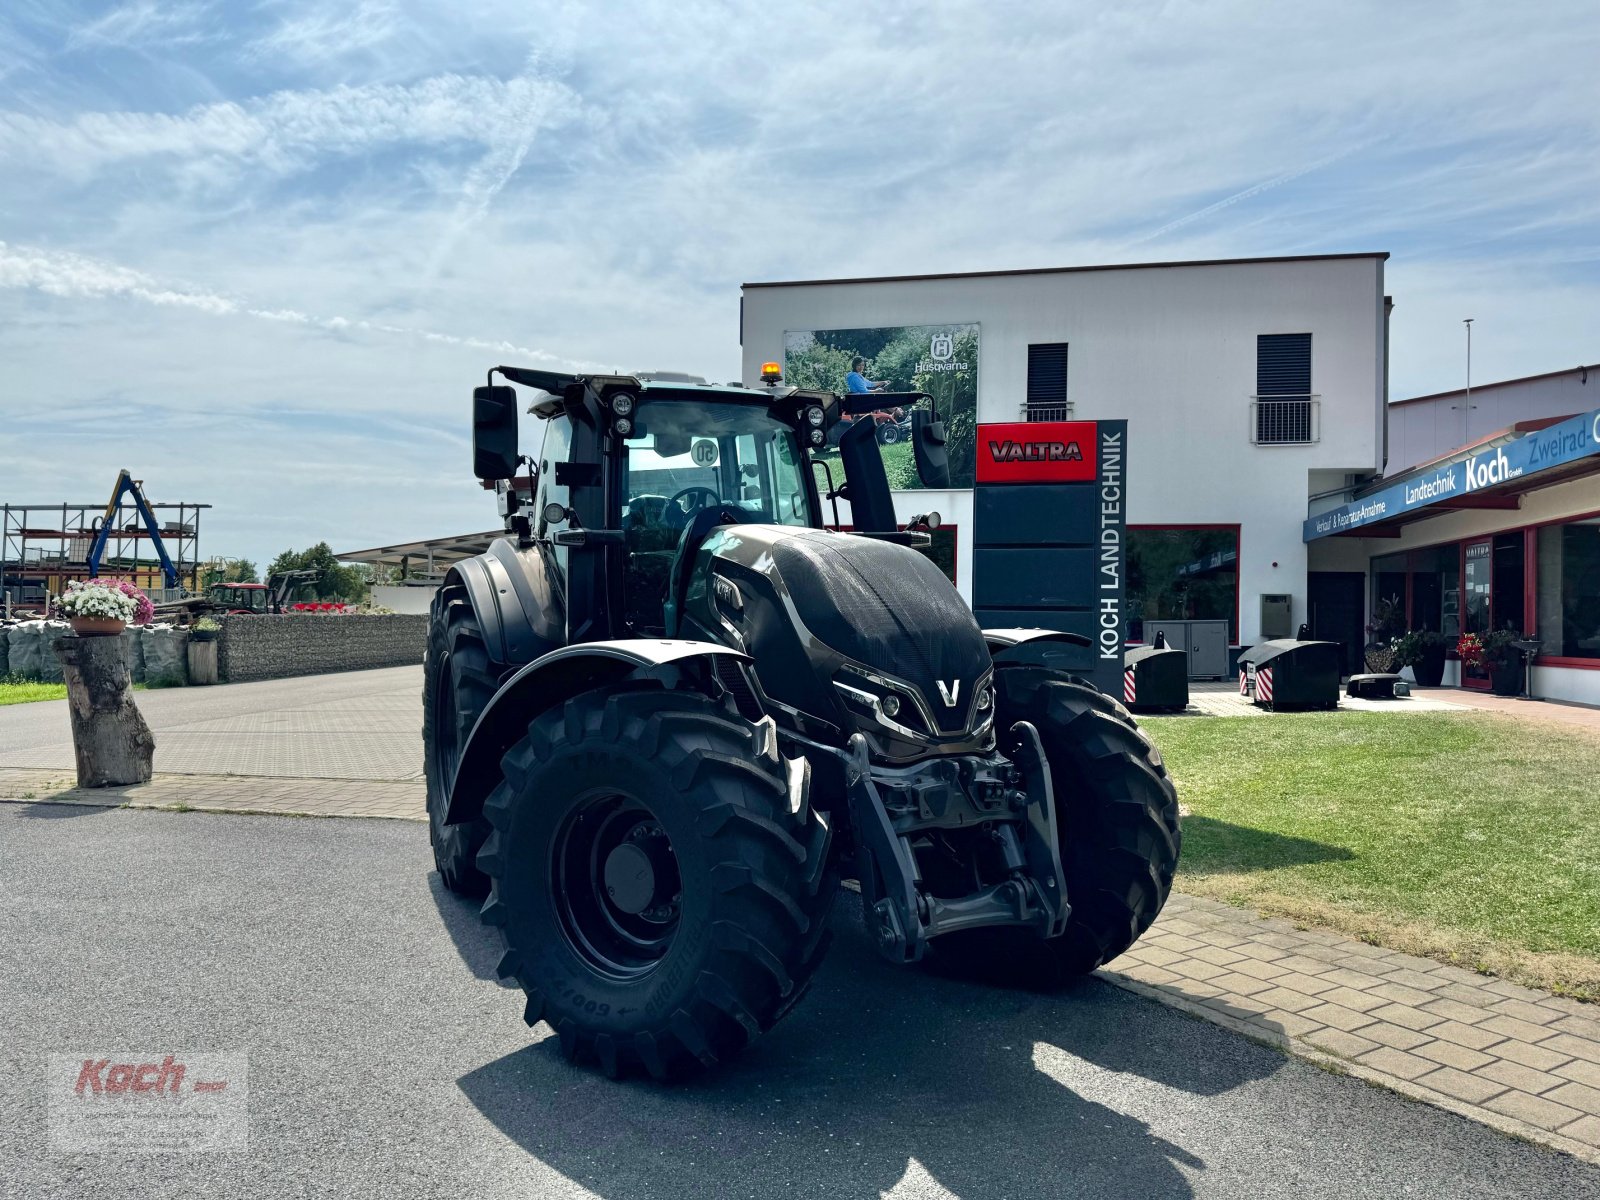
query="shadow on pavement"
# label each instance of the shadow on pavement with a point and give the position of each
(1213, 847)
(477, 944)
(54, 810)
(877, 1067)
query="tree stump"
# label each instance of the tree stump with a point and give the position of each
(110, 740)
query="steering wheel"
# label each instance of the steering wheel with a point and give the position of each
(677, 514)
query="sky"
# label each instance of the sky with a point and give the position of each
(259, 253)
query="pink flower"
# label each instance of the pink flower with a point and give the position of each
(145, 611)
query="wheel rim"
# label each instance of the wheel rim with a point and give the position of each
(615, 885)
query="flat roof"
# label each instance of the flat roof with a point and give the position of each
(444, 552)
(1499, 383)
(1144, 266)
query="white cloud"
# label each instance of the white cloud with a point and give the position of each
(78, 277)
(289, 131)
(318, 35)
(145, 23)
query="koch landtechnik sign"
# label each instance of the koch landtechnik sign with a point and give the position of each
(1565, 442)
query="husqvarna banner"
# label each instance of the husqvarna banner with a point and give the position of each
(1050, 535)
(941, 360)
(1554, 446)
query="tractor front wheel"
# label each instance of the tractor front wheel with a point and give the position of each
(661, 900)
(1117, 824)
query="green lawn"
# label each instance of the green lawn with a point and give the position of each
(26, 692)
(1471, 838)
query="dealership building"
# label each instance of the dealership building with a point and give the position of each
(1269, 482)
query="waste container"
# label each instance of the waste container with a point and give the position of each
(1288, 673)
(1155, 678)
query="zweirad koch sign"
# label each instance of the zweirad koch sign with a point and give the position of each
(1554, 446)
(1049, 534)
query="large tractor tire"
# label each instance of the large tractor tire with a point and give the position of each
(457, 684)
(1117, 822)
(661, 904)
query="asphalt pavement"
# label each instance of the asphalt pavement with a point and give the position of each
(384, 1059)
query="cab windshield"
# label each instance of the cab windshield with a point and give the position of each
(687, 456)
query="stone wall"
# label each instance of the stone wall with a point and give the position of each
(274, 647)
(155, 653)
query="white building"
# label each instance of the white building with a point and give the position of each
(1422, 428)
(1219, 479)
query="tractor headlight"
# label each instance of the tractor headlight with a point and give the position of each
(817, 437)
(985, 699)
(622, 404)
(891, 706)
(623, 426)
(814, 416)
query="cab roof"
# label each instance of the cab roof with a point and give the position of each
(555, 384)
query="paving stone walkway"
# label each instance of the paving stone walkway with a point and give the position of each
(1221, 698)
(400, 799)
(1523, 1061)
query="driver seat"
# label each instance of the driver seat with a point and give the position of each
(694, 535)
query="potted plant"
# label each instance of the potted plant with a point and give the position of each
(97, 608)
(1505, 662)
(205, 630)
(1423, 650)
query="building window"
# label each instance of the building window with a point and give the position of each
(1569, 589)
(1183, 575)
(1283, 412)
(1436, 589)
(1047, 383)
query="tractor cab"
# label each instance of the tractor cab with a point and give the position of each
(239, 597)
(636, 472)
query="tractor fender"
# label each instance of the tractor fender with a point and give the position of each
(1040, 647)
(518, 609)
(553, 679)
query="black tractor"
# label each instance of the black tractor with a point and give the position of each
(671, 708)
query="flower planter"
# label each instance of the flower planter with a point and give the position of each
(1505, 678)
(1429, 669)
(97, 626)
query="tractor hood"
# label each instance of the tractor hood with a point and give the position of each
(818, 609)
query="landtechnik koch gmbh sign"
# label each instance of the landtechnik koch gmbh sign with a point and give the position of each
(1559, 444)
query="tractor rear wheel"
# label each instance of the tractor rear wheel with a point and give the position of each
(1117, 822)
(457, 684)
(660, 901)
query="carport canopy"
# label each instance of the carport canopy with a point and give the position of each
(432, 557)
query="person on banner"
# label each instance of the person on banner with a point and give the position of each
(857, 384)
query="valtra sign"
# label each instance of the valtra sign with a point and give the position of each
(1037, 452)
(1049, 537)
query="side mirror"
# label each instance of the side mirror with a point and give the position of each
(494, 432)
(927, 444)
